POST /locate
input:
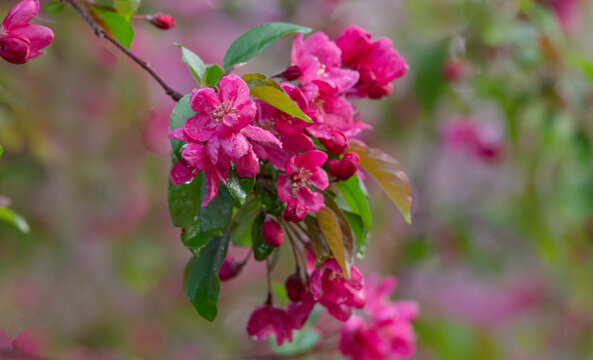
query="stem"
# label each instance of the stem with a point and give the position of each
(269, 278)
(100, 32)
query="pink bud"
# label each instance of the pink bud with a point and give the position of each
(292, 73)
(15, 49)
(337, 144)
(162, 21)
(345, 168)
(295, 211)
(272, 232)
(295, 287)
(230, 268)
(454, 69)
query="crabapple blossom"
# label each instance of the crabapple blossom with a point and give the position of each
(335, 292)
(267, 320)
(319, 60)
(377, 62)
(302, 171)
(162, 21)
(230, 268)
(19, 40)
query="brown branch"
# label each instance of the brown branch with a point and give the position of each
(100, 32)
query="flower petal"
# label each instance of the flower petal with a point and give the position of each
(234, 145)
(182, 173)
(247, 165)
(258, 134)
(233, 91)
(20, 15)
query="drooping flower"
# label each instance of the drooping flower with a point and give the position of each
(378, 63)
(19, 40)
(302, 172)
(319, 60)
(481, 140)
(301, 300)
(267, 320)
(335, 292)
(386, 331)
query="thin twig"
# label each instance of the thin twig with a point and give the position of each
(100, 32)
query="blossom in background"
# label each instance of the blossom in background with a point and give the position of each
(19, 40)
(319, 60)
(294, 188)
(378, 63)
(25, 346)
(479, 140)
(335, 292)
(385, 330)
(267, 320)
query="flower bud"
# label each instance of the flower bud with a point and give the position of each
(292, 73)
(337, 144)
(162, 21)
(345, 168)
(230, 268)
(272, 232)
(295, 287)
(15, 49)
(294, 212)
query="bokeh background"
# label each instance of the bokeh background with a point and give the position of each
(492, 123)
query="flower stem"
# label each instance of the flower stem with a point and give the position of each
(100, 32)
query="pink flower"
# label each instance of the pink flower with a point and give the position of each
(19, 40)
(193, 160)
(267, 320)
(318, 58)
(477, 139)
(302, 301)
(25, 346)
(224, 120)
(386, 331)
(302, 171)
(339, 295)
(333, 117)
(378, 63)
(287, 128)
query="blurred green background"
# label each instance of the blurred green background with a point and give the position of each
(500, 252)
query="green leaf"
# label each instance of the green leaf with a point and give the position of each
(389, 175)
(213, 75)
(15, 219)
(126, 8)
(203, 284)
(270, 201)
(332, 232)
(181, 112)
(355, 195)
(1, 151)
(200, 223)
(357, 227)
(194, 62)
(54, 7)
(116, 25)
(270, 92)
(239, 187)
(261, 249)
(243, 221)
(257, 40)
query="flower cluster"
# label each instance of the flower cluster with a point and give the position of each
(19, 40)
(294, 159)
